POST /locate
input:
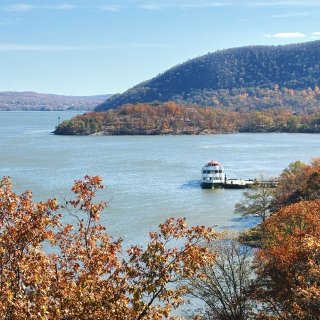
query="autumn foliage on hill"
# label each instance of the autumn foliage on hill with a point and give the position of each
(52, 270)
(175, 118)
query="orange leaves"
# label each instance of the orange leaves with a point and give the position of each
(289, 262)
(81, 273)
(85, 189)
(24, 272)
(174, 253)
(295, 220)
(85, 192)
(298, 182)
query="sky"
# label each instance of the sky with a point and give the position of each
(91, 47)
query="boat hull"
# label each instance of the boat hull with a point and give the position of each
(210, 185)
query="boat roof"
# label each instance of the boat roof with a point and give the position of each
(213, 163)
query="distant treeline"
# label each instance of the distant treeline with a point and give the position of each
(174, 118)
(32, 101)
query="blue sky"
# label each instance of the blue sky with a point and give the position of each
(87, 47)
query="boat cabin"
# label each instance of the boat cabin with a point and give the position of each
(213, 175)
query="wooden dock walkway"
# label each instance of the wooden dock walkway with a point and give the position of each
(249, 183)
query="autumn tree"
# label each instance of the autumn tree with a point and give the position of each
(25, 270)
(298, 182)
(288, 265)
(52, 270)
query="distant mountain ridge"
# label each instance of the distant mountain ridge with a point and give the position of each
(32, 101)
(295, 66)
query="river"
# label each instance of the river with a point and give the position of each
(148, 178)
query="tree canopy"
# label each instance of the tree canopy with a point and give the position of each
(175, 118)
(288, 266)
(53, 270)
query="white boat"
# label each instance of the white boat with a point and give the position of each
(213, 175)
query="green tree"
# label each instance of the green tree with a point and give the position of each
(256, 201)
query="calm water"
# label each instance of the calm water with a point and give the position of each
(147, 178)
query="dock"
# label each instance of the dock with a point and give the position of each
(249, 183)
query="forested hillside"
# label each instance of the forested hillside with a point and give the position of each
(205, 79)
(172, 118)
(15, 101)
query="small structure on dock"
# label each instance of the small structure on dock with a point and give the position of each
(214, 176)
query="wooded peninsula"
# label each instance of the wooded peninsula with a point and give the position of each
(241, 110)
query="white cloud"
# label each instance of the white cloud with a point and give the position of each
(182, 5)
(20, 7)
(62, 6)
(203, 5)
(315, 35)
(185, 4)
(52, 48)
(286, 35)
(297, 3)
(155, 7)
(15, 47)
(292, 14)
(25, 7)
(27, 47)
(112, 8)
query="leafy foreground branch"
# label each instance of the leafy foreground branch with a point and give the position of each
(87, 275)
